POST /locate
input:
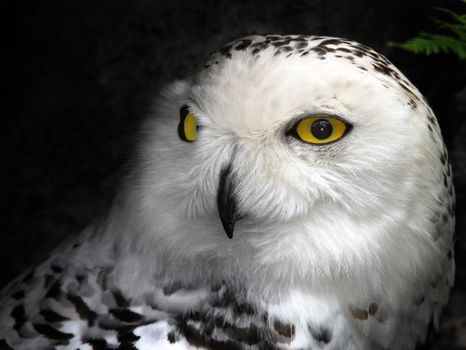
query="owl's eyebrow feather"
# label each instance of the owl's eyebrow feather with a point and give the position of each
(194, 106)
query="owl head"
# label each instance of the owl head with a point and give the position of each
(313, 150)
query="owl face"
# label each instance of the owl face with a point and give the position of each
(318, 157)
(269, 139)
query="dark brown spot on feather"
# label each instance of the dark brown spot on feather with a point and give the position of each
(225, 51)
(320, 51)
(373, 309)
(243, 44)
(239, 337)
(201, 340)
(382, 68)
(284, 329)
(322, 334)
(342, 49)
(120, 300)
(84, 312)
(358, 53)
(126, 315)
(279, 43)
(248, 335)
(51, 333)
(359, 314)
(97, 344)
(330, 42)
(171, 338)
(126, 334)
(19, 316)
(51, 316)
(301, 45)
(54, 291)
(192, 335)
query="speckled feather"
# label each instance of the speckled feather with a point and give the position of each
(115, 288)
(66, 304)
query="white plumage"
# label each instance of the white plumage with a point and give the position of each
(337, 245)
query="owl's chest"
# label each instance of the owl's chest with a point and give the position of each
(227, 319)
(74, 305)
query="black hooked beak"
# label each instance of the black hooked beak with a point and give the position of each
(226, 202)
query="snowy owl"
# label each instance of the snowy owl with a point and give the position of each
(293, 192)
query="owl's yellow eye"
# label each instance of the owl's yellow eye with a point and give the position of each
(320, 129)
(187, 128)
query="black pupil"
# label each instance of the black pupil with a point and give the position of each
(321, 129)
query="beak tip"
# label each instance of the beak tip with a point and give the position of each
(228, 227)
(228, 224)
(229, 233)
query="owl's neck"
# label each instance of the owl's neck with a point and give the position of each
(153, 245)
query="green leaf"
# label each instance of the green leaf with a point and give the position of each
(429, 43)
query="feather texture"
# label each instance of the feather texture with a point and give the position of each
(347, 245)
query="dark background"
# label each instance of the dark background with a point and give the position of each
(80, 76)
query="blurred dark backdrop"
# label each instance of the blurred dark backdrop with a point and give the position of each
(83, 74)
